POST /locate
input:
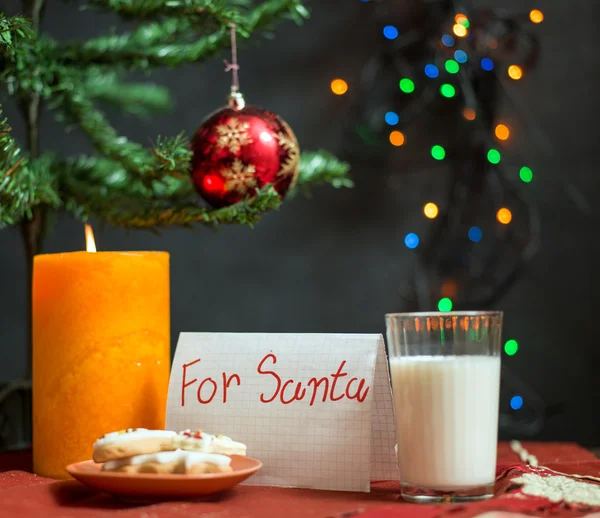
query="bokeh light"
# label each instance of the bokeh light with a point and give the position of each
(407, 85)
(459, 30)
(502, 132)
(516, 402)
(511, 347)
(536, 16)
(504, 216)
(449, 288)
(493, 156)
(462, 20)
(438, 152)
(339, 86)
(447, 90)
(469, 113)
(451, 66)
(515, 72)
(396, 138)
(526, 174)
(411, 240)
(475, 234)
(392, 118)
(431, 71)
(390, 32)
(431, 210)
(447, 40)
(445, 304)
(487, 64)
(460, 56)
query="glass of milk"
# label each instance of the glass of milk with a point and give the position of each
(445, 371)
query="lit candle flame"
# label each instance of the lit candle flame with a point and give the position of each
(90, 243)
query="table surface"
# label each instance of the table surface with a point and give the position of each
(23, 495)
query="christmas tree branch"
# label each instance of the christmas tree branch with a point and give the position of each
(12, 32)
(169, 156)
(140, 99)
(24, 183)
(322, 167)
(146, 47)
(152, 9)
(152, 213)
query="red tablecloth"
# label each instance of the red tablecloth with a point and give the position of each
(25, 495)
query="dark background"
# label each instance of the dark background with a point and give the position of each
(337, 262)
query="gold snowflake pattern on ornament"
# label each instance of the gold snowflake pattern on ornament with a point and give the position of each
(290, 164)
(233, 135)
(239, 177)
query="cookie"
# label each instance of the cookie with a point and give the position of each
(209, 443)
(171, 462)
(133, 441)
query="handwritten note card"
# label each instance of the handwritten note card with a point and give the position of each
(316, 409)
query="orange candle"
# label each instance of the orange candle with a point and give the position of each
(101, 353)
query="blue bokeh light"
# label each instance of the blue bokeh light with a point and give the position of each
(487, 64)
(392, 118)
(411, 240)
(431, 71)
(460, 56)
(475, 234)
(516, 402)
(390, 32)
(447, 40)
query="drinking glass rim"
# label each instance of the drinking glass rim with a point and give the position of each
(487, 313)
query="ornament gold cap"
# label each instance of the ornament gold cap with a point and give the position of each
(235, 100)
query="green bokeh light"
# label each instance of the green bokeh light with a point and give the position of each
(438, 152)
(493, 156)
(447, 90)
(526, 174)
(407, 85)
(445, 304)
(465, 23)
(511, 347)
(451, 66)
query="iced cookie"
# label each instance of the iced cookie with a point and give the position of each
(208, 443)
(133, 441)
(171, 462)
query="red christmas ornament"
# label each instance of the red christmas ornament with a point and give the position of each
(240, 149)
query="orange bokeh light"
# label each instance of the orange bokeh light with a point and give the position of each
(449, 288)
(461, 18)
(469, 113)
(504, 216)
(396, 138)
(502, 132)
(431, 210)
(515, 72)
(459, 30)
(339, 86)
(536, 16)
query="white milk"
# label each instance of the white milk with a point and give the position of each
(446, 419)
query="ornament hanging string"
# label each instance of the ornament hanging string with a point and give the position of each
(235, 99)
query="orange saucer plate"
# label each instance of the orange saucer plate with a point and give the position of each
(163, 487)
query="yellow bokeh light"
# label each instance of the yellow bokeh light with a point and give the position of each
(504, 216)
(515, 72)
(396, 138)
(459, 30)
(502, 132)
(339, 86)
(431, 210)
(536, 16)
(469, 113)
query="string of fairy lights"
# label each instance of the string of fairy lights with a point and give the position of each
(473, 53)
